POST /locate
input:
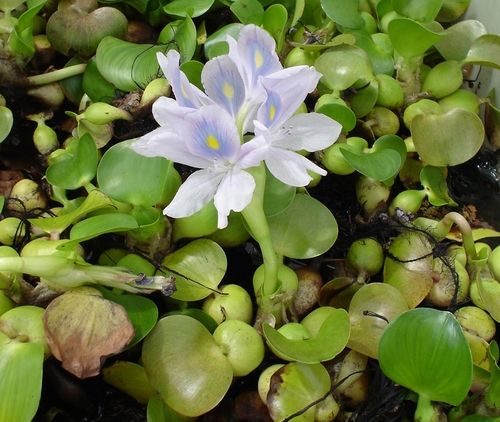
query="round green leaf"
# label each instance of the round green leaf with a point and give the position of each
(277, 195)
(330, 340)
(304, 230)
(343, 12)
(294, 387)
(180, 7)
(216, 43)
(340, 113)
(422, 10)
(77, 168)
(410, 38)
(185, 365)
(447, 139)
(122, 172)
(485, 51)
(340, 69)
(159, 411)
(459, 39)
(21, 366)
(202, 262)
(379, 165)
(433, 357)
(6, 122)
(98, 88)
(364, 100)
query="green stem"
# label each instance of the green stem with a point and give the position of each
(57, 75)
(465, 230)
(425, 411)
(257, 222)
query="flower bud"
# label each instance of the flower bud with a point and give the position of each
(102, 113)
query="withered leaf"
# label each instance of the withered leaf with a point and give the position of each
(83, 328)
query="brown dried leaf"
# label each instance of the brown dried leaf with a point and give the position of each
(83, 328)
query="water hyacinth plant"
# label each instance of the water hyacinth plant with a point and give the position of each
(248, 210)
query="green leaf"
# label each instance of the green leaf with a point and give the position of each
(433, 179)
(126, 65)
(216, 44)
(459, 39)
(381, 61)
(100, 224)
(380, 165)
(277, 195)
(179, 8)
(98, 88)
(202, 262)
(433, 357)
(410, 38)
(343, 12)
(6, 122)
(340, 69)
(493, 395)
(363, 101)
(77, 169)
(447, 139)
(183, 34)
(94, 201)
(330, 340)
(421, 10)
(159, 411)
(294, 387)
(185, 365)
(341, 113)
(274, 22)
(122, 172)
(485, 51)
(304, 230)
(21, 366)
(248, 11)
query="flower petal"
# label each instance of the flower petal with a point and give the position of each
(210, 132)
(224, 84)
(186, 94)
(198, 189)
(291, 86)
(255, 55)
(309, 131)
(290, 167)
(234, 193)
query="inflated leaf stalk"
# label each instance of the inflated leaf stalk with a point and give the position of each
(78, 26)
(433, 359)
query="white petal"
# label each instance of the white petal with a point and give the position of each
(309, 131)
(290, 167)
(234, 193)
(194, 193)
(187, 94)
(224, 84)
(253, 152)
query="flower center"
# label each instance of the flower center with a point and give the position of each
(212, 142)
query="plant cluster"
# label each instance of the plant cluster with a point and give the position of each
(249, 115)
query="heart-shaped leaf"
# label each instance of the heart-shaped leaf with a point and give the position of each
(121, 174)
(422, 10)
(379, 165)
(343, 12)
(77, 168)
(330, 340)
(433, 357)
(76, 17)
(459, 39)
(202, 262)
(304, 230)
(485, 51)
(340, 69)
(410, 38)
(180, 8)
(447, 139)
(185, 365)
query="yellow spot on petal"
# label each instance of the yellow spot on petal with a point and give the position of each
(228, 90)
(259, 60)
(212, 142)
(272, 112)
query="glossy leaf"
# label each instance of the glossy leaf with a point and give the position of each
(372, 307)
(95, 200)
(98, 88)
(433, 179)
(122, 172)
(216, 44)
(343, 12)
(130, 378)
(304, 230)
(126, 65)
(447, 139)
(330, 340)
(183, 34)
(277, 195)
(422, 10)
(179, 8)
(411, 39)
(185, 365)
(485, 51)
(274, 22)
(202, 262)
(78, 168)
(248, 11)
(340, 113)
(379, 165)
(159, 411)
(363, 101)
(6, 122)
(100, 224)
(294, 387)
(459, 39)
(381, 61)
(21, 366)
(433, 359)
(340, 69)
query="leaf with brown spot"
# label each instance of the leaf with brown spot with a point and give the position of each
(83, 328)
